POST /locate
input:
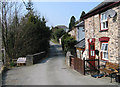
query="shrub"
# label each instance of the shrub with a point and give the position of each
(68, 43)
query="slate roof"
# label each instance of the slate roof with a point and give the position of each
(101, 5)
(61, 27)
(81, 44)
(80, 24)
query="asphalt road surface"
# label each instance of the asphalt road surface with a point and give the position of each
(51, 71)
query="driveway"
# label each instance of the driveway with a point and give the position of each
(51, 71)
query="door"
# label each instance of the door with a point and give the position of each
(92, 52)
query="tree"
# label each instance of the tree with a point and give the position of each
(9, 12)
(72, 22)
(29, 5)
(68, 43)
(82, 14)
(24, 36)
(32, 36)
(57, 33)
(6, 8)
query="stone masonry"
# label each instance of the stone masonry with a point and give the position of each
(119, 34)
(92, 30)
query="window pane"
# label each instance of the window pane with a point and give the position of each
(78, 53)
(92, 47)
(102, 48)
(106, 24)
(102, 16)
(106, 47)
(103, 24)
(105, 55)
(105, 16)
(93, 53)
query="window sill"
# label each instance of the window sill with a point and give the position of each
(103, 30)
(104, 59)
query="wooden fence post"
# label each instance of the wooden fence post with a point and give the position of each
(84, 65)
(98, 65)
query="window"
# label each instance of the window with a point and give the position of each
(104, 21)
(78, 53)
(104, 50)
(92, 50)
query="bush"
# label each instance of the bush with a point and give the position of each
(31, 36)
(12, 64)
(68, 43)
(57, 33)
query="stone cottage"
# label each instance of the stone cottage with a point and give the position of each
(80, 37)
(73, 33)
(102, 32)
(80, 34)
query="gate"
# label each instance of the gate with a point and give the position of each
(78, 64)
(84, 66)
(89, 67)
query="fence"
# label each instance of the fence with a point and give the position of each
(83, 66)
(78, 64)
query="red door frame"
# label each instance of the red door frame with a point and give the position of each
(92, 42)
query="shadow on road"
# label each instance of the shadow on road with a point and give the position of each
(53, 53)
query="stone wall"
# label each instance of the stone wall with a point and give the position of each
(119, 34)
(67, 60)
(92, 30)
(35, 58)
(29, 60)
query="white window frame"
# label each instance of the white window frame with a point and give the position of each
(104, 21)
(104, 51)
(78, 53)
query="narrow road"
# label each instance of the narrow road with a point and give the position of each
(51, 71)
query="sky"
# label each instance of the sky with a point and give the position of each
(59, 13)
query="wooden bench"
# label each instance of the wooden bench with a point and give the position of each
(21, 61)
(110, 68)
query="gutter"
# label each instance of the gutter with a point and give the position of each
(100, 10)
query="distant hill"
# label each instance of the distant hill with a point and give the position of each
(62, 27)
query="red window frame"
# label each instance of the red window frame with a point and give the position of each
(101, 53)
(100, 23)
(103, 40)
